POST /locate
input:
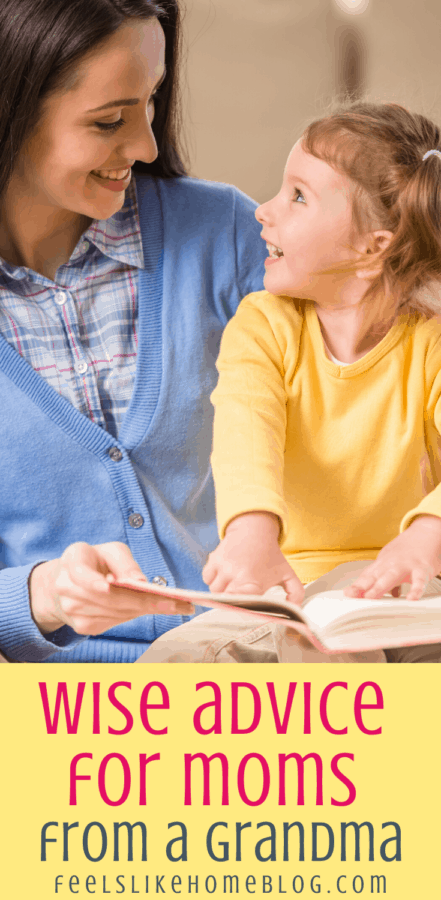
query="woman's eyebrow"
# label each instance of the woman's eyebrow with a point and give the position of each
(126, 101)
(131, 101)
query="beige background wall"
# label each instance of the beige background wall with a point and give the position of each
(257, 70)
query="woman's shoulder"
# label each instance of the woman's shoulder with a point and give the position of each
(207, 229)
(213, 217)
(195, 194)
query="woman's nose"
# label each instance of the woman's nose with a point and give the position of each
(142, 144)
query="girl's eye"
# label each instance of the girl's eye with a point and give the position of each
(110, 126)
(298, 196)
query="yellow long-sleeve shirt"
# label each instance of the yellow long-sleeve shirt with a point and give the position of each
(346, 456)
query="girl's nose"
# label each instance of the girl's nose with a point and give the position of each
(263, 213)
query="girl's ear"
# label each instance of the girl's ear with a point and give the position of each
(374, 244)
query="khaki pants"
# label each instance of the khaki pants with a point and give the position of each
(222, 636)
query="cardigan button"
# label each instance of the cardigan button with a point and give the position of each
(115, 454)
(158, 579)
(136, 520)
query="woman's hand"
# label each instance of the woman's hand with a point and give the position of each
(77, 590)
(413, 557)
(249, 559)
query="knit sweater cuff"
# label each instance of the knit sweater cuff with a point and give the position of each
(20, 638)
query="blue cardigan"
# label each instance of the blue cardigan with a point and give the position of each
(202, 254)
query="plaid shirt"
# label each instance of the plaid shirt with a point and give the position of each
(80, 333)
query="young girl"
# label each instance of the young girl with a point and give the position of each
(328, 407)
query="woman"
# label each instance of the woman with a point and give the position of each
(106, 423)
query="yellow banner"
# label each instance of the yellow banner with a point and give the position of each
(218, 781)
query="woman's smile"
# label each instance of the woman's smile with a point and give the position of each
(112, 183)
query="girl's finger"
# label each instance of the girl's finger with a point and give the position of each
(219, 583)
(295, 591)
(384, 583)
(209, 571)
(244, 587)
(361, 585)
(418, 585)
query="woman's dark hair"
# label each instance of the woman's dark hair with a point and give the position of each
(44, 41)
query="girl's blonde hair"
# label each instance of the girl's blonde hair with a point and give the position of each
(380, 147)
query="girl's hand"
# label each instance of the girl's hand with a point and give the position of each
(413, 557)
(249, 559)
(77, 590)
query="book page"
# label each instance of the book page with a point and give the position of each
(332, 612)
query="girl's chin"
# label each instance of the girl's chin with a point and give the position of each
(281, 287)
(275, 286)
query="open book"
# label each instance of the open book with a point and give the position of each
(332, 622)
